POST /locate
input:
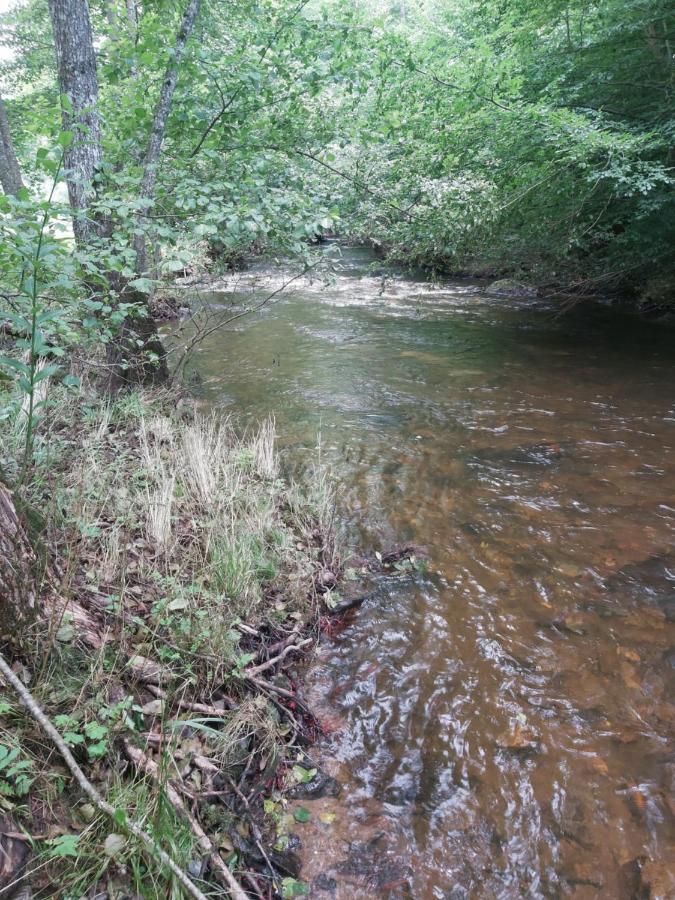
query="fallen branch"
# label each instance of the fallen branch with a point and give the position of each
(144, 764)
(108, 809)
(205, 708)
(256, 670)
(279, 645)
(275, 689)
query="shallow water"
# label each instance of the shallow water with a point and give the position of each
(503, 724)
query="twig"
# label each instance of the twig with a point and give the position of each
(268, 686)
(204, 708)
(254, 830)
(144, 764)
(200, 336)
(256, 670)
(33, 708)
(280, 644)
(225, 104)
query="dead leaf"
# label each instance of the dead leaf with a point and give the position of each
(519, 738)
(114, 844)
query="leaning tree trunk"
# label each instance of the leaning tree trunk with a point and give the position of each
(125, 364)
(156, 138)
(19, 573)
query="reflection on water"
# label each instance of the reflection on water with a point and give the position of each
(504, 721)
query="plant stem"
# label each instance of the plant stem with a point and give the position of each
(33, 361)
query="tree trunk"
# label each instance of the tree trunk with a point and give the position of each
(19, 573)
(153, 150)
(132, 13)
(76, 65)
(128, 366)
(136, 354)
(10, 173)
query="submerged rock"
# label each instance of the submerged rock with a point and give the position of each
(509, 287)
(545, 453)
(370, 863)
(651, 580)
(320, 786)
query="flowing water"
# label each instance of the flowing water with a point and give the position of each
(502, 725)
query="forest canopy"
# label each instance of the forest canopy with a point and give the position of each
(518, 138)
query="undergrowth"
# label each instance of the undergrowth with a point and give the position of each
(179, 554)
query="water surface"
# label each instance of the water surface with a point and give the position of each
(503, 724)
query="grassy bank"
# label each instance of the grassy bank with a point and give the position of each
(185, 574)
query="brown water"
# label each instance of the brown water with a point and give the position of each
(504, 723)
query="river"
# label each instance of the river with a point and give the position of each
(502, 725)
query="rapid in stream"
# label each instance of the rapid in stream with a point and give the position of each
(502, 724)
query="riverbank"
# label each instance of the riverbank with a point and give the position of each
(187, 578)
(651, 299)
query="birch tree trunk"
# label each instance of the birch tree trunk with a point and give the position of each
(136, 355)
(10, 173)
(76, 66)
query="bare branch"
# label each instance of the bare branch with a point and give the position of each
(132, 827)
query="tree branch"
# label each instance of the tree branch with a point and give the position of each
(132, 827)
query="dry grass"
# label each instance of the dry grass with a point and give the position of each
(184, 510)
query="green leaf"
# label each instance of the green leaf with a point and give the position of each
(95, 731)
(301, 814)
(98, 750)
(173, 265)
(64, 845)
(143, 285)
(292, 888)
(303, 776)
(44, 373)
(120, 817)
(15, 364)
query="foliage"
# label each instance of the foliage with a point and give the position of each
(143, 557)
(16, 774)
(529, 138)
